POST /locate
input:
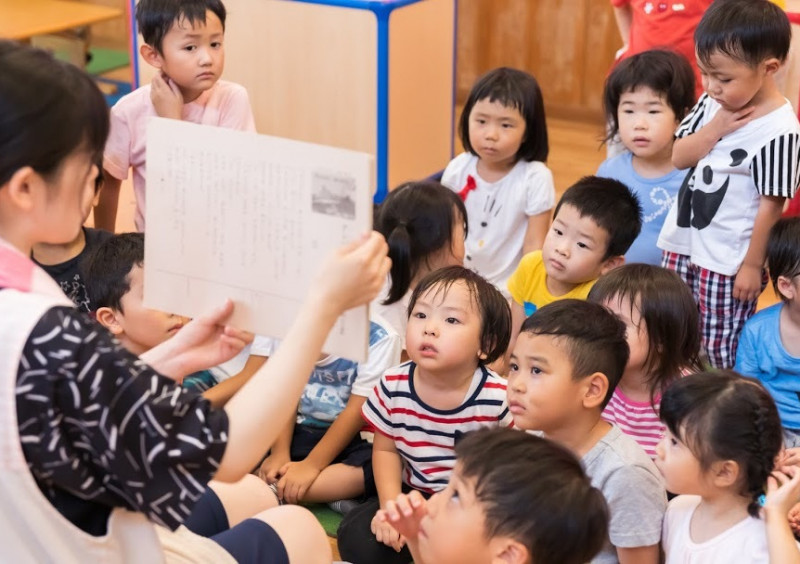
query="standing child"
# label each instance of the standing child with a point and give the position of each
(458, 323)
(645, 98)
(424, 224)
(564, 368)
(492, 511)
(742, 140)
(723, 434)
(769, 348)
(661, 327)
(184, 41)
(506, 187)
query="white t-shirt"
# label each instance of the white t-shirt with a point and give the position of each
(712, 219)
(744, 543)
(395, 315)
(498, 213)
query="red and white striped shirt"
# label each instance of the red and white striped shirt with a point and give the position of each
(424, 436)
(639, 420)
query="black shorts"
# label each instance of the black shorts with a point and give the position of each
(357, 453)
(252, 540)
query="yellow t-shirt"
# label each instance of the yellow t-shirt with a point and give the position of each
(528, 285)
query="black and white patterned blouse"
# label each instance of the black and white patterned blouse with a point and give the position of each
(100, 429)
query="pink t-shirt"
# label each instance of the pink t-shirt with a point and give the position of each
(224, 105)
(639, 420)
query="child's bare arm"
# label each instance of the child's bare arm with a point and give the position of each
(270, 470)
(747, 285)
(783, 491)
(639, 555)
(222, 392)
(105, 212)
(536, 232)
(298, 476)
(387, 467)
(687, 151)
(624, 17)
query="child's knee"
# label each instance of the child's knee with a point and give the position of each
(304, 538)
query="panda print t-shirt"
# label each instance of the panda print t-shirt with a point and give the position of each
(712, 219)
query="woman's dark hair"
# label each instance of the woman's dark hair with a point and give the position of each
(155, 18)
(491, 305)
(750, 31)
(669, 313)
(514, 89)
(666, 73)
(535, 492)
(722, 415)
(783, 251)
(48, 110)
(417, 220)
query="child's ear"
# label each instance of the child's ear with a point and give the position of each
(151, 56)
(505, 550)
(725, 473)
(771, 65)
(21, 186)
(108, 318)
(595, 390)
(611, 263)
(786, 288)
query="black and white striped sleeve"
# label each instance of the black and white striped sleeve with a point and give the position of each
(99, 423)
(775, 168)
(691, 123)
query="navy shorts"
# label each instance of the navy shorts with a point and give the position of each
(252, 540)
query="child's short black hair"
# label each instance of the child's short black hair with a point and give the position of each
(722, 415)
(611, 205)
(493, 307)
(783, 251)
(515, 89)
(666, 73)
(105, 270)
(417, 221)
(594, 338)
(749, 31)
(155, 18)
(536, 492)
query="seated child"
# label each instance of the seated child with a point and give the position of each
(723, 437)
(458, 322)
(645, 98)
(185, 42)
(594, 225)
(319, 456)
(63, 261)
(661, 322)
(769, 347)
(567, 360)
(114, 274)
(741, 143)
(493, 511)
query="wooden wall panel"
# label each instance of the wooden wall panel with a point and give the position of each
(568, 45)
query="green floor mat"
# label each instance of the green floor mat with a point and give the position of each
(104, 60)
(327, 517)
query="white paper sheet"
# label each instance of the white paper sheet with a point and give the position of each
(250, 217)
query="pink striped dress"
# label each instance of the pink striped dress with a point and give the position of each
(636, 419)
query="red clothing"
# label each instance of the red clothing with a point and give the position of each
(665, 24)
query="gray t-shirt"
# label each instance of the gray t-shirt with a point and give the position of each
(634, 491)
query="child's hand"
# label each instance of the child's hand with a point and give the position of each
(747, 284)
(783, 492)
(387, 534)
(405, 513)
(790, 457)
(726, 122)
(353, 274)
(296, 478)
(166, 97)
(270, 470)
